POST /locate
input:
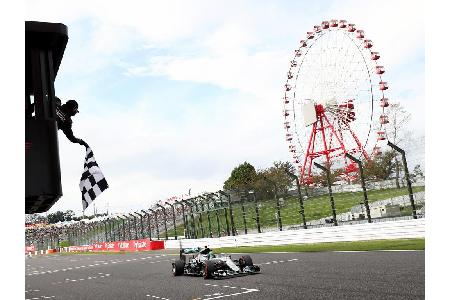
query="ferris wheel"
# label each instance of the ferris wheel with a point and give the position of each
(334, 99)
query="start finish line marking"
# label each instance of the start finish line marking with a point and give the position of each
(222, 295)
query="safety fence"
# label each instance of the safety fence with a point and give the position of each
(220, 214)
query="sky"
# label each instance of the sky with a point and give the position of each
(174, 94)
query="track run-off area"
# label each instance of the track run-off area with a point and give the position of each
(147, 275)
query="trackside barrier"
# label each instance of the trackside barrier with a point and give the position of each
(133, 245)
(414, 228)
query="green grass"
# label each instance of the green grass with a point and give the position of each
(401, 244)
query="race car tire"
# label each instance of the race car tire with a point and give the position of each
(209, 269)
(178, 268)
(247, 260)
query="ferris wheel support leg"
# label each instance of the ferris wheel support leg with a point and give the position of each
(322, 129)
(308, 152)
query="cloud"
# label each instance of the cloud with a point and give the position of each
(210, 85)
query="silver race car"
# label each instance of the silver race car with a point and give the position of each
(202, 262)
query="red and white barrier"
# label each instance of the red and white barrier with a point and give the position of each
(133, 245)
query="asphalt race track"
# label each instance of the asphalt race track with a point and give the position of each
(147, 275)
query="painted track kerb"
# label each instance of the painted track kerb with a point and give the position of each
(405, 229)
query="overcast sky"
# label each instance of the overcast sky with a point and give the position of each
(174, 94)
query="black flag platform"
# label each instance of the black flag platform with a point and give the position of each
(44, 49)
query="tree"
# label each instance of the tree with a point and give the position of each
(68, 215)
(381, 167)
(277, 173)
(242, 177)
(417, 172)
(396, 133)
(55, 217)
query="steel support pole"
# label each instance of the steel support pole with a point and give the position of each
(300, 197)
(207, 213)
(408, 181)
(227, 223)
(277, 201)
(129, 228)
(156, 222)
(106, 231)
(184, 217)
(192, 229)
(244, 219)
(149, 229)
(200, 219)
(142, 225)
(258, 225)
(165, 220)
(330, 192)
(217, 214)
(173, 219)
(363, 184)
(230, 208)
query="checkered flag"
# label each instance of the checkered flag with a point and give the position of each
(92, 182)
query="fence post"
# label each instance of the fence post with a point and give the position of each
(363, 184)
(165, 220)
(207, 213)
(300, 197)
(227, 224)
(184, 216)
(244, 217)
(173, 219)
(211, 196)
(200, 218)
(330, 192)
(258, 225)
(408, 181)
(277, 201)
(230, 208)
(155, 214)
(149, 229)
(192, 229)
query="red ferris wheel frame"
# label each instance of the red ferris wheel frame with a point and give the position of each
(325, 130)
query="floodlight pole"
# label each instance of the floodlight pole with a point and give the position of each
(300, 197)
(363, 184)
(165, 220)
(408, 181)
(333, 209)
(156, 222)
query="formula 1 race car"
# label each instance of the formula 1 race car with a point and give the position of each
(204, 263)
